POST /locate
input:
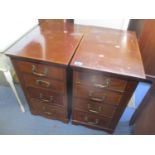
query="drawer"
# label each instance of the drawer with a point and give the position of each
(47, 111)
(94, 107)
(100, 81)
(46, 83)
(97, 94)
(44, 96)
(91, 119)
(41, 70)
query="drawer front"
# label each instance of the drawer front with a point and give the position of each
(44, 96)
(97, 95)
(94, 107)
(91, 119)
(100, 81)
(41, 70)
(46, 83)
(47, 110)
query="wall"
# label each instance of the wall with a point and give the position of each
(12, 29)
(110, 23)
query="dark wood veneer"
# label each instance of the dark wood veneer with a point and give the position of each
(103, 66)
(41, 60)
(106, 67)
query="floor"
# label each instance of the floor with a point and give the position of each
(13, 122)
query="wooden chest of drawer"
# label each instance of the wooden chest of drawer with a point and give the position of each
(48, 111)
(106, 65)
(106, 71)
(90, 120)
(41, 60)
(45, 93)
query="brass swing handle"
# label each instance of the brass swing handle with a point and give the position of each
(45, 72)
(90, 122)
(48, 112)
(45, 100)
(42, 82)
(96, 98)
(94, 111)
(104, 85)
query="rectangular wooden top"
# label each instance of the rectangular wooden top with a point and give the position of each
(111, 51)
(55, 43)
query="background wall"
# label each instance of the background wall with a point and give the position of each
(12, 29)
(110, 23)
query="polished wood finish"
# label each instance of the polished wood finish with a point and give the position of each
(106, 69)
(100, 81)
(48, 111)
(147, 46)
(46, 96)
(49, 45)
(122, 54)
(104, 109)
(46, 83)
(53, 72)
(91, 120)
(97, 94)
(49, 21)
(144, 116)
(41, 60)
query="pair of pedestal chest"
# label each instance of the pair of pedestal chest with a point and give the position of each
(81, 72)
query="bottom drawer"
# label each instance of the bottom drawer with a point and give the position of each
(48, 111)
(91, 120)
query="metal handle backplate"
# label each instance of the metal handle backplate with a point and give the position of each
(45, 100)
(91, 122)
(94, 111)
(48, 112)
(104, 85)
(96, 98)
(42, 82)
(45, 72)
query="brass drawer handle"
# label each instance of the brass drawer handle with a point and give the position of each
(104, 85)
(94, 111)
(40, 82)
(39, 74)
(90, 122)
(45, 100)
(97, 99)
(48, 113)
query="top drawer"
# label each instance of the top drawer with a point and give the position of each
(41, 70)
(100, 81)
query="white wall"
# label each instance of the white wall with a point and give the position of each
(110, 23)
(12, 29)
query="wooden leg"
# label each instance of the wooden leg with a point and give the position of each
(9, 79)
